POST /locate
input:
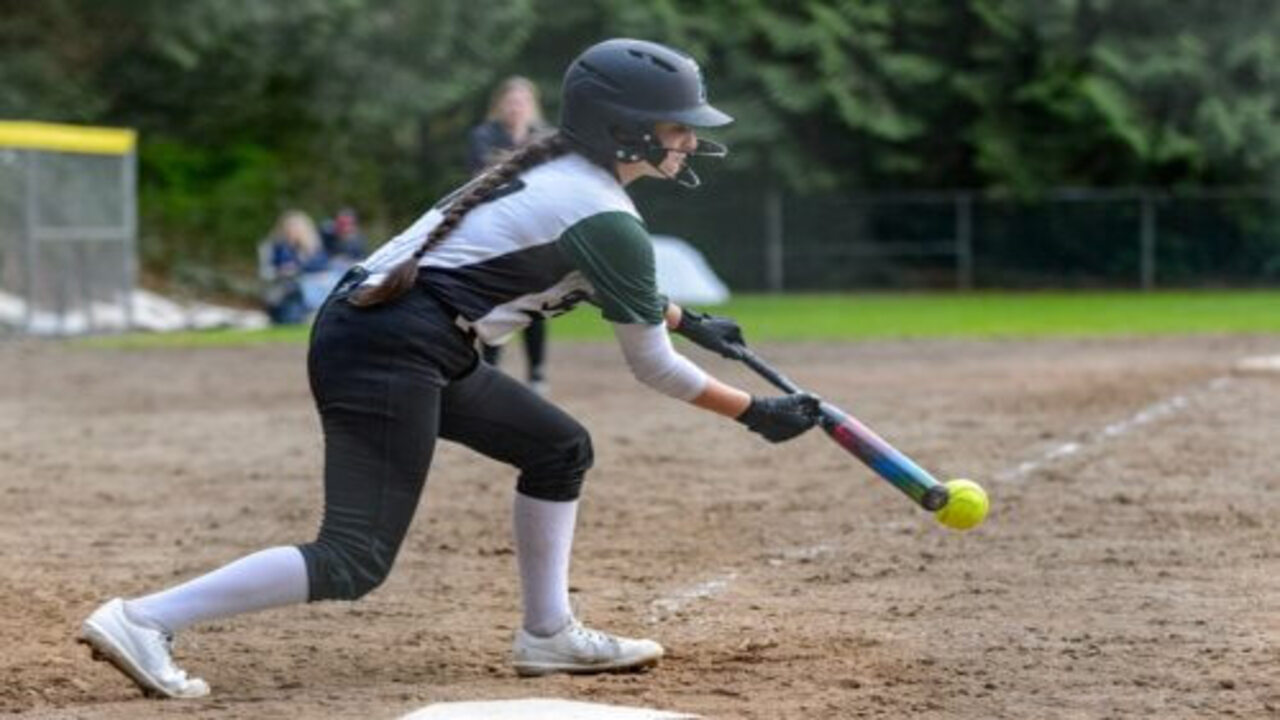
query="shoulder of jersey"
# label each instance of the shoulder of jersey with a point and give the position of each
(576, 181)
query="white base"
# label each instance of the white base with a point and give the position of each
(539, 709)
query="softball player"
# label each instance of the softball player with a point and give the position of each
(393, 367)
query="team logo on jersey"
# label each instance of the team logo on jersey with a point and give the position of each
(565, 303)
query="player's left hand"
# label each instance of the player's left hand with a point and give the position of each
(720, 335)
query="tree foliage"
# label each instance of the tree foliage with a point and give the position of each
(247, 107)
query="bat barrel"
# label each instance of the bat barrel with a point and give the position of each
(887, 461)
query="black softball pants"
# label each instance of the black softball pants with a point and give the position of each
(388, 381)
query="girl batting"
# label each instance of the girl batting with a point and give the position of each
(393, 368)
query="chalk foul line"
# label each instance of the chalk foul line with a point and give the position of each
(676, 601)
(1147, 415)
(679, 599)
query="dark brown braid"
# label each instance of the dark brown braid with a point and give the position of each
(403, 276)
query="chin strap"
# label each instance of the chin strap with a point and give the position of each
(706, 148)
(650, 151)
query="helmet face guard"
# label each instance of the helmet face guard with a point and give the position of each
(616, 92)
(654, 152)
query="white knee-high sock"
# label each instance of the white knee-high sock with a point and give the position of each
(544, 542)
(269, 578)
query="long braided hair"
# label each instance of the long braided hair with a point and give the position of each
(405, 274)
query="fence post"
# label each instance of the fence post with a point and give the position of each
(773, 239)
(1147, 242)
(30, 250)
(129, 181)
(964, 241)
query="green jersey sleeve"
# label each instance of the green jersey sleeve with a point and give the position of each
(613, 251)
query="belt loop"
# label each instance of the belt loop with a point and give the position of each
(350, 281)
(464, 325)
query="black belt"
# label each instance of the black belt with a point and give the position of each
(357, 275)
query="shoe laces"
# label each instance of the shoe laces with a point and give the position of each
(165, 642)
(594, 638)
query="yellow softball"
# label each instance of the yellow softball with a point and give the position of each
(966, 505)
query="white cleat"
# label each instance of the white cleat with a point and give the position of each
(580, 650)
(142, 653)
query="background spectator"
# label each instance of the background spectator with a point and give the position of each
(296, 268)
(343, 240)
(514, 119)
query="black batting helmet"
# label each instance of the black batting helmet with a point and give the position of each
(617, 90)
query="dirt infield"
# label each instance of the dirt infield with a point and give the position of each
(1130, 567)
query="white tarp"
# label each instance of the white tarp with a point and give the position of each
(151, 312)
(539, 709)
(684, 275)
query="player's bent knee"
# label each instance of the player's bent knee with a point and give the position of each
(343, 571)
(557, 473)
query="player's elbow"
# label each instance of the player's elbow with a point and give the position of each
(648, 352)
(674, 376)
(654, 377)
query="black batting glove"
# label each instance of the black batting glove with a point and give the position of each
(781, 418)
(720, 335)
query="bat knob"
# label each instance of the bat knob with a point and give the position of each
(935, 498)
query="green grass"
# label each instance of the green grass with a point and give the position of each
(897, 315)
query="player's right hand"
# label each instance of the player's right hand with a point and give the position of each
(781, 418)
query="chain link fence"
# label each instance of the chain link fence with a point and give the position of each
(68, 209)
(761, 239)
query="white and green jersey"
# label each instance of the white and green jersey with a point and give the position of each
(562, 232)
